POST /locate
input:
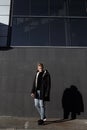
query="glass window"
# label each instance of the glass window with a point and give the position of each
(21, 7)
(57, 32)
(39, 31)
(30, 32)
(3, 30)
(20, 36)
(45, 31)
(39, 7)
(57, 7)
(3, 41)
(4, 10)
(50, 7)
(4, 21)
(79, 32)
(76, 7)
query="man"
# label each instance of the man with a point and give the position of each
(41, 91)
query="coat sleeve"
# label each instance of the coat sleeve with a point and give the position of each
(33, 87)
(48, 85)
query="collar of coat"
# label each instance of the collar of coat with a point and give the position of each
(45, 73)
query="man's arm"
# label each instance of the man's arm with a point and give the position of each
(33, 88)
(48, 85)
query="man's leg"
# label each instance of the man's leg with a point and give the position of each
(42, 109)
(36, 101)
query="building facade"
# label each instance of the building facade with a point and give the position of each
(49, 31)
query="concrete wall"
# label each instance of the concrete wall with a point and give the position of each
(67, 66)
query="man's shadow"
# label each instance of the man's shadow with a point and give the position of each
(72, 102)
(56, 121)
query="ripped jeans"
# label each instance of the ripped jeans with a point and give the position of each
(40, 106)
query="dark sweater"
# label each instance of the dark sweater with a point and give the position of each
(39, 80)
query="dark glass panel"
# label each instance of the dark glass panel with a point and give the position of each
(79, 32)
(57, 32)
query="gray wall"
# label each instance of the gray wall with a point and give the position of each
(67, 66)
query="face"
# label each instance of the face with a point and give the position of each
(40, 69)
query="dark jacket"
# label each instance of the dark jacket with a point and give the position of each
(45, 86)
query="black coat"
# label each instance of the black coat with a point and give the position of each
(45, 87)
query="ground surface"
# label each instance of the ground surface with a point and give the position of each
(18, 123)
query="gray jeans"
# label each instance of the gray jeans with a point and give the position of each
(40, 106)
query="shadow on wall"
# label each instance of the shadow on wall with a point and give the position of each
(72, 102)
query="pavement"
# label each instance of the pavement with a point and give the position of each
(21, 123)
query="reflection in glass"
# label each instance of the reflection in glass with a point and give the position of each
(4, 10)
(50, 7)
(32, 32)
(4, 20)
(32, 25)
(5, 2)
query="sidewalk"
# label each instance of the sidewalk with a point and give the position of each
(18, 123)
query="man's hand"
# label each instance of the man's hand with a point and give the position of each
(32, 95)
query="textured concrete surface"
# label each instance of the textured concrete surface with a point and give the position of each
(67, 66)
(16, 123)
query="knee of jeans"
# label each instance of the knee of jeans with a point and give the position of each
(36, 104)
(41, 105)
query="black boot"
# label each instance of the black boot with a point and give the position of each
(40, 122)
